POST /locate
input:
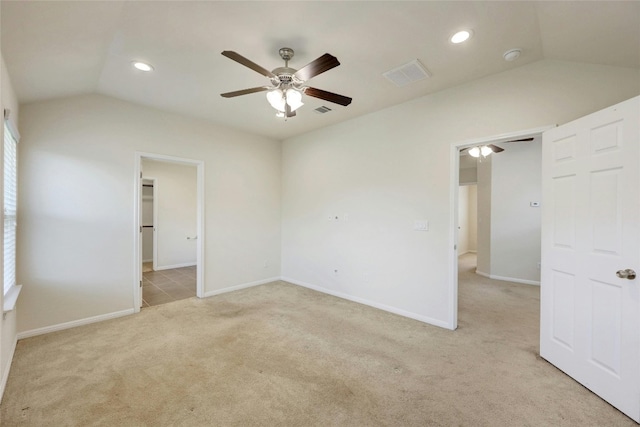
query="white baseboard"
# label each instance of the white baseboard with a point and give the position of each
(483, 274)
(394, 310)
(470, 251)
(238, 287)
(73, 324)
(508, 279)
(7, 367)
(169, 267)
(147, 260)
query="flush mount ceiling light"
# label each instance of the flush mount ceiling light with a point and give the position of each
(461, 36)
(142, 66)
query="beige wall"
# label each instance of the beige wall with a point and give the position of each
(484, 217)
(467, 219)
(76, 253)
(473, 218)
(463, 220)
(177, 201)
(392, 167)
(515, 225)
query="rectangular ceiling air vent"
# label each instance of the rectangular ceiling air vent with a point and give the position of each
(408, 73)
(322, 110)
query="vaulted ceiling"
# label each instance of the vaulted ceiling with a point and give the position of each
(65, 48)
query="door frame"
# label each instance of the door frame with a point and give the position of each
(454, 167)
(200, 222)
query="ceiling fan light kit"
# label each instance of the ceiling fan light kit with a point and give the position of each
(288, 84)
(281, 99)
(485, 150)
(474, 152)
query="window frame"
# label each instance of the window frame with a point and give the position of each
(11, 139)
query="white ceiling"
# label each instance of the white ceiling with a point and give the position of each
(57, 49)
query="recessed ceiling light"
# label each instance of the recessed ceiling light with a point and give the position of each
(461, 36)
(142, 66)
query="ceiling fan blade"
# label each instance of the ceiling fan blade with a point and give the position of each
(244, 61)
(495, 148)
(244, 91)
(521, 140)
(318, 66)
(328, 96)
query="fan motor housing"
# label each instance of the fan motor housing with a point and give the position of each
(284, 75)
(286, 53)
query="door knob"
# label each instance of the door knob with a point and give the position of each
(626, 274)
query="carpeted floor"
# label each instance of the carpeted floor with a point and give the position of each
(279, 354)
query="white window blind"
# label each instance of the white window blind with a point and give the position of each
(10, 208)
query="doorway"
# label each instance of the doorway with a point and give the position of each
(169, 194)
(467, 222)
(500, 261)
(149, 209)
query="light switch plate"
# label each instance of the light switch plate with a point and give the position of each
(421, 225)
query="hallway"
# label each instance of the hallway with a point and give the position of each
(163, 286)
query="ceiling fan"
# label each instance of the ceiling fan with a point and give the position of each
(485, 150)
(288, 84)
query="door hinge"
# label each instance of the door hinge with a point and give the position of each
(140, 174)
(140, 283)
(141, 229)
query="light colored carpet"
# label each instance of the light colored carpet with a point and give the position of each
(279, 354)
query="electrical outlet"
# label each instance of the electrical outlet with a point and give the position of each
(265, 265)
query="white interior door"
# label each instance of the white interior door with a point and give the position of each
(590, 317)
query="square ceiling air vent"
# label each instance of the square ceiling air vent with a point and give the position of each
(408, 73)
(322, 110)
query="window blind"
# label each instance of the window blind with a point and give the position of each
(10, 208)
